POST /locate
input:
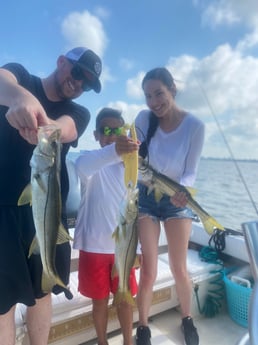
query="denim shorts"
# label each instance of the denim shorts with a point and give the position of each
(160, 210)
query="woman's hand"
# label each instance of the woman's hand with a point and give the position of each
(179, 199)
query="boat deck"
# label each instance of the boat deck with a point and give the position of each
(165, 329)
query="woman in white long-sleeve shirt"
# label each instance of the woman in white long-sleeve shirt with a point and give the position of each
(101, 174)
(172, 140)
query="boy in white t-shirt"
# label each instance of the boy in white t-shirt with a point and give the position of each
(101, 173)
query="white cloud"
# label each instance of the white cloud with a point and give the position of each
(102, 12)
(249, 41)
(133, 86)
(129, 111)
(232, 12)
(85, 29)
(222, 87)
(126, 64)
(229, 12)
(219, 13)
(226, 75)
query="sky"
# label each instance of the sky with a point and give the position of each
(210, 47)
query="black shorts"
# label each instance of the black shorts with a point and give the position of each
(20, 276)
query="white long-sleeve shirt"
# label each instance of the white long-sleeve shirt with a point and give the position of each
(175, 154)
(102, 189)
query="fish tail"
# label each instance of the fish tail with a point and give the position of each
(123, 296)
(49, 281)
(210, 224)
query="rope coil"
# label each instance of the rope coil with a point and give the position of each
(214, 297)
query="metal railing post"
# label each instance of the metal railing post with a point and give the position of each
(250, 230)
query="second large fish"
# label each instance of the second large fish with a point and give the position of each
(43, 193)
(126, 239)
(126, 234)
(161, 184)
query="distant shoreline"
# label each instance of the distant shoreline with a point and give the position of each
(230, 159)
(74, 154)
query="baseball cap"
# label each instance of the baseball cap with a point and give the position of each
(89, 61)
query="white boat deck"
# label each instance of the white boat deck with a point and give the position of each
(165, 329)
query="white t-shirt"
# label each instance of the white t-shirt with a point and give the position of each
(175, 154)
(102, 189)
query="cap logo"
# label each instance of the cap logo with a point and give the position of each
(97, 68)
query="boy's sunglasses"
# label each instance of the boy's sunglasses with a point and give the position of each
(77, 74)
(107, 131)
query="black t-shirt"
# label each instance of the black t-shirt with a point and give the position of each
(16, 153)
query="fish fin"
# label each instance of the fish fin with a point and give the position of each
(158, 195)
(150, 189)
(63, 235)
(34, 247)
(137, 262)
(123, 296)
(48, 281)
(130, 161)
(115, 234)
(26, 196)
(210, 224)
(192, 191)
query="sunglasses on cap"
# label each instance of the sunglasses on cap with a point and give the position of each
(108, 131)
(78, 74)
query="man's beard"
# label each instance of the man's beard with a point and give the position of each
(58, 88)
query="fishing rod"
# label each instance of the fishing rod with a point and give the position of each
(228, 147)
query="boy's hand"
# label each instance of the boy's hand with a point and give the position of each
(124, 144)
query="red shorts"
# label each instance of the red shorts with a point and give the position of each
(94, 276)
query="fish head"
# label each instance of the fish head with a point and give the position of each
(48, 139)
(145, 172)
(49, 144)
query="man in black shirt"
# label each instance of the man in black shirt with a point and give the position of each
(26, 103)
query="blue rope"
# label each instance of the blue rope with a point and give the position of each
(212, 303)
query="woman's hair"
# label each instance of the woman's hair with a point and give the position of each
(162, 74)
(153, 125)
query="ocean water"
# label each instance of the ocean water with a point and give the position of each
(222, 192)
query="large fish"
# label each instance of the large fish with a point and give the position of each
(126, 234)
(161, 184)
(126, 239)
(43, 193)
